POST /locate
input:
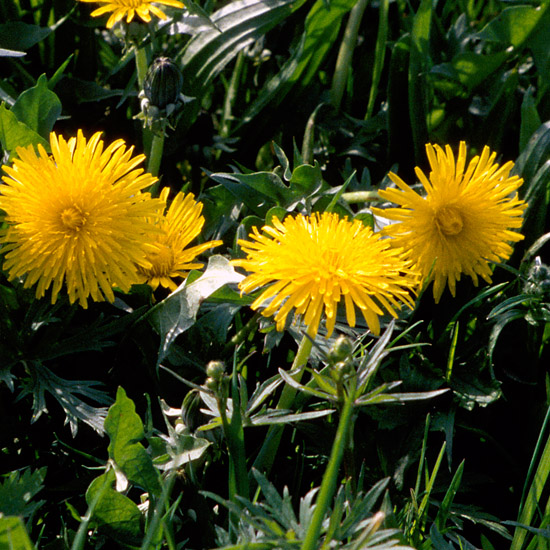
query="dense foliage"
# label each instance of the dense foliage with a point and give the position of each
(185, 418)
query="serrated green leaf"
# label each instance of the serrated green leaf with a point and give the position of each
(38, 108)
(17, 491)
(125, 430)
(14, 133)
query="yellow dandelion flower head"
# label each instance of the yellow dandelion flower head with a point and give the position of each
(313, 263)
(463, 221)
(76, 218)
(170, 256)
(130, 8)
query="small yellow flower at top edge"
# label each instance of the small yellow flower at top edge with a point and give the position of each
(310, 264)
(464, 220)
(178, 226)
(130, 8)
(77, 218)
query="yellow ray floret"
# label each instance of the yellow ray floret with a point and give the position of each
(129, 8)
(178, 226)
(311, 264)
(77, 219)
(464, 220)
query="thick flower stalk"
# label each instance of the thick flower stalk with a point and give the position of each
(311, 264)
(464, 220)
(77, 218)
(130, 8)
(170, 257)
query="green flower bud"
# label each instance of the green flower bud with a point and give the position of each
(215, 369)
(163, 83)
(341, 349)
(340, 370)
(212, 384)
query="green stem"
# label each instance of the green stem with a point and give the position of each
(343, 62)
(379, 54)
(160, 510)
(241, 336)
(142, 64)
(330, 477)
(354, 197)
(155, 154)
(266, 456)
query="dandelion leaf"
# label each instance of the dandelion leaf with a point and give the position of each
(38, 107)
(178, 312)
(116, 515)
(14, 133)
(17, 490)
(125, 429)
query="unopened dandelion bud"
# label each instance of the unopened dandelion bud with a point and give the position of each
(340, 370)
(212, 384)
(215, 370)
(341, 349)
(163, 83)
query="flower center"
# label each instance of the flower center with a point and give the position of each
(163, 261)
(73, 218)
(449, 221)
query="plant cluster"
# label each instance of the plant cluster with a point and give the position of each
(273, 274)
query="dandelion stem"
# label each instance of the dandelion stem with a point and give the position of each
(141, 64)
(155, 154)
(330, 477)
(354, 197)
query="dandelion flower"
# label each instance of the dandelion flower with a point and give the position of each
(313, 263)
(178, 226)
(77, 218)
(464, 221)
(129, 8)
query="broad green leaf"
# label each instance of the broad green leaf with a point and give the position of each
(125, 430)
(306, 179)
(19, 36)
(513, 25)
(14, 133)
(470, 68)
(115, 513)
(38, 107)
(258, 191)
(13, 535)
(84, 91)
(178, 312)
